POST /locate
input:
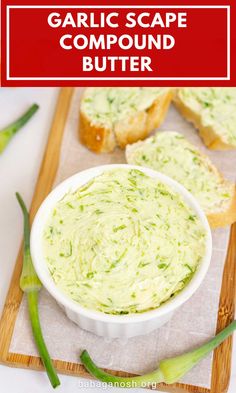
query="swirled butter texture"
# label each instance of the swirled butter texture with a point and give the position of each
(123, 243)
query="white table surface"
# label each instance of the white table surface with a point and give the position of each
(19, 166)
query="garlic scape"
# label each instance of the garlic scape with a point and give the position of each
(169, 371)
(30, 284)
(7, 133)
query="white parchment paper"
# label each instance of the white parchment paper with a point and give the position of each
(191, 325)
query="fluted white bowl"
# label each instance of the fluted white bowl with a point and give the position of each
(114, 326)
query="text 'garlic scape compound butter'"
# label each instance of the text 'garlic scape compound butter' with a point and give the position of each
(123, 243)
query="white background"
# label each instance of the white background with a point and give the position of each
(19, 166)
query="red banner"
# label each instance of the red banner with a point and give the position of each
(119, 45)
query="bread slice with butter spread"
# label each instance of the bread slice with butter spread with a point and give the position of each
(171, 153)
(212, 111)
(114, 116)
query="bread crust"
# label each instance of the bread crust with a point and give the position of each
(97, 138)
(226, 217)
(141, 124)
(208, 135)
(220, 218)
(101, 139)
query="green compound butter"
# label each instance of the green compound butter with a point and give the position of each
(170, 153)
(123, 243)
(109, 105)
(216, 107)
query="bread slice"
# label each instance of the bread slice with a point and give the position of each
(117, 116)
(171, 153)
(213, 112)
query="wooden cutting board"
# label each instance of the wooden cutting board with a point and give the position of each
(222, 355)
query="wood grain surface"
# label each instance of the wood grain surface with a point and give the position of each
(222, 355)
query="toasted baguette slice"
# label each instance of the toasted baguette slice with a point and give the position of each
(171, 153)
(213, 112)
(118, 116)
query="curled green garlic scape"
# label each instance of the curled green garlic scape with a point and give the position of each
(31, 285)
(169, 371)
(7, 133)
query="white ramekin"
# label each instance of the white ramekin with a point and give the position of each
(113, 326)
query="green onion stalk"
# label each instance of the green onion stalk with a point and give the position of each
(169, 371)
(30, 284)
(7, 133)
